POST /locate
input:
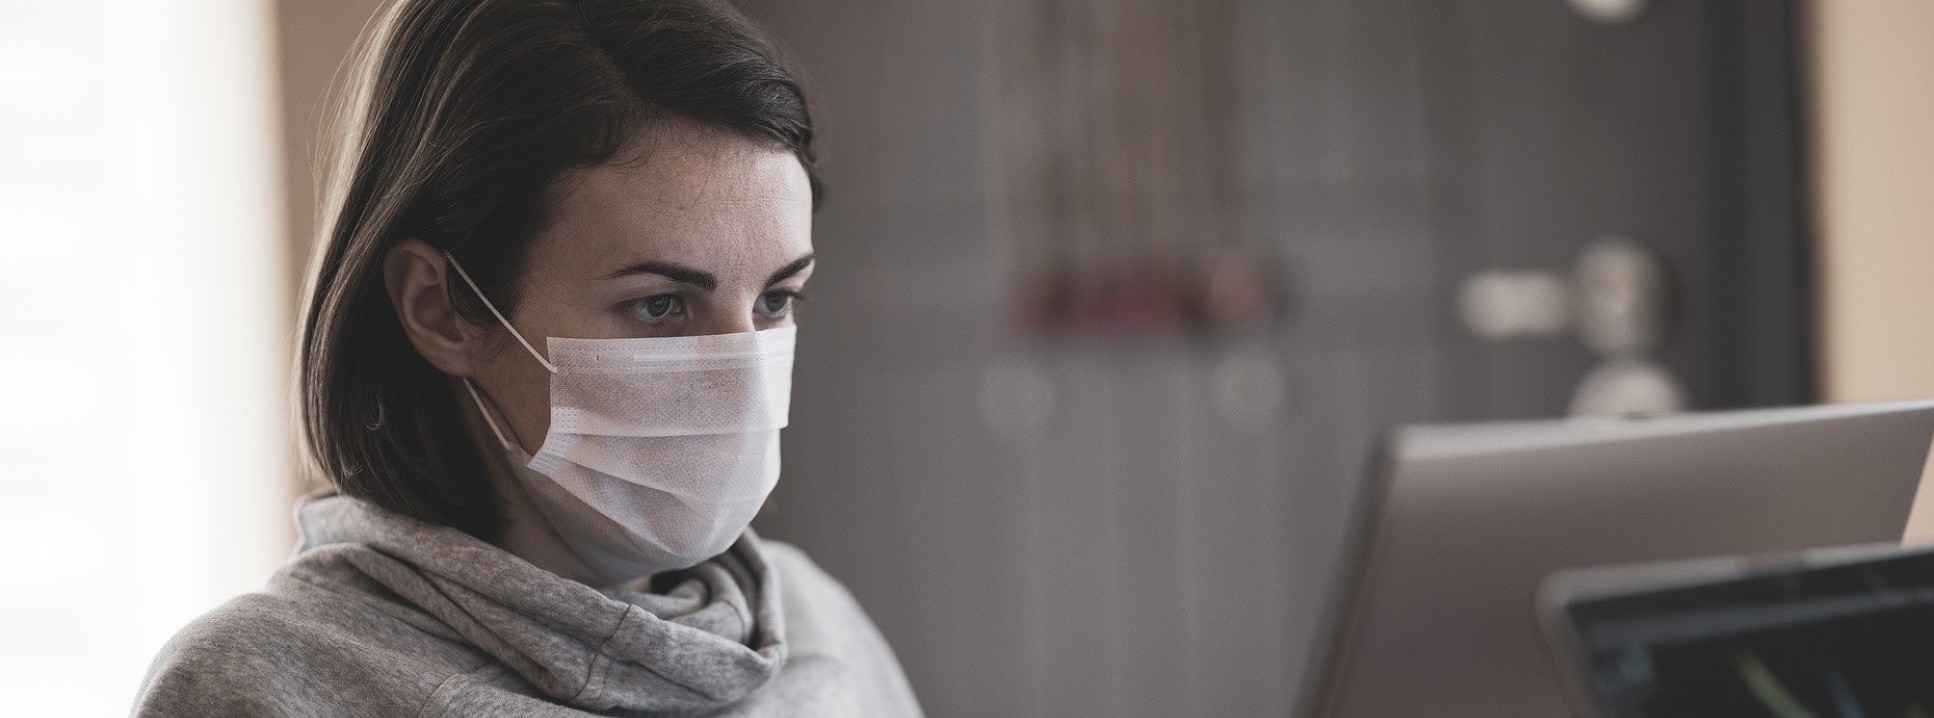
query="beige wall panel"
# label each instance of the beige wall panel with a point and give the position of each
(1874, 154)
(316, 36)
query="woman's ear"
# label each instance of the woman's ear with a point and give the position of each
(418, 279)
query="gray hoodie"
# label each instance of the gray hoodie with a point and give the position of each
(383, 615)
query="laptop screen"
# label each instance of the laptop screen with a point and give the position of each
(1844, 641)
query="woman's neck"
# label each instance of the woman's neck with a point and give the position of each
(527, 533)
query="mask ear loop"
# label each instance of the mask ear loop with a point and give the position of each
(489, 420)
(493, 312)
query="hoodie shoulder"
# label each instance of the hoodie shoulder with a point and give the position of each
(830, 636)
(272, 654)
(815, 602)
(793, 564)
(821, 615)
(243, 658)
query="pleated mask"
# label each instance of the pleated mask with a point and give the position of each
(660, 450)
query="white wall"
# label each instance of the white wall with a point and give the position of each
(144, 346)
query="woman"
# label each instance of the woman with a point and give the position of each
(545, 359)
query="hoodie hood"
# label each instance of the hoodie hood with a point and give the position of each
(711, 640)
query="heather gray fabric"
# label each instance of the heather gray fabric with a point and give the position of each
(382, 615)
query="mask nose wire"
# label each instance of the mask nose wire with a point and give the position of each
(493, 312)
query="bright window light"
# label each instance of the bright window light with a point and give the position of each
(144, 334)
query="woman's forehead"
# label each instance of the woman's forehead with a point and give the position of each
(699, 198)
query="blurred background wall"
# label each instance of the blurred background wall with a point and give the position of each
(313, 41)
(144, 335)
(1873, 108)
(1116, 294)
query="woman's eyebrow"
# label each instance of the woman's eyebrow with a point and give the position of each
(675, 272)
(795, 267)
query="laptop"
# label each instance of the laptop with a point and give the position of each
(1845, 632)
(1437, 613)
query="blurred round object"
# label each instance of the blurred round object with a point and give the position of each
(1620, 301)
(1505, 305)
(1609, 12)
(1246, 387)
(1628, 386)
(1015, 398)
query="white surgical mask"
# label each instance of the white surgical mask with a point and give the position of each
(660, 450)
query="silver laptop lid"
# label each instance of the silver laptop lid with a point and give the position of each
(1463, 521)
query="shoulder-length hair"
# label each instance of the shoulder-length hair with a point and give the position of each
(457, 117)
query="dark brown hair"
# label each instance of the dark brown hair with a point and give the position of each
(457, 117)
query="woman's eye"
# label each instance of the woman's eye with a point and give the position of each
(660, 306)
(775, 304)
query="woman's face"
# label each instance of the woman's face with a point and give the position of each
(697, 232)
